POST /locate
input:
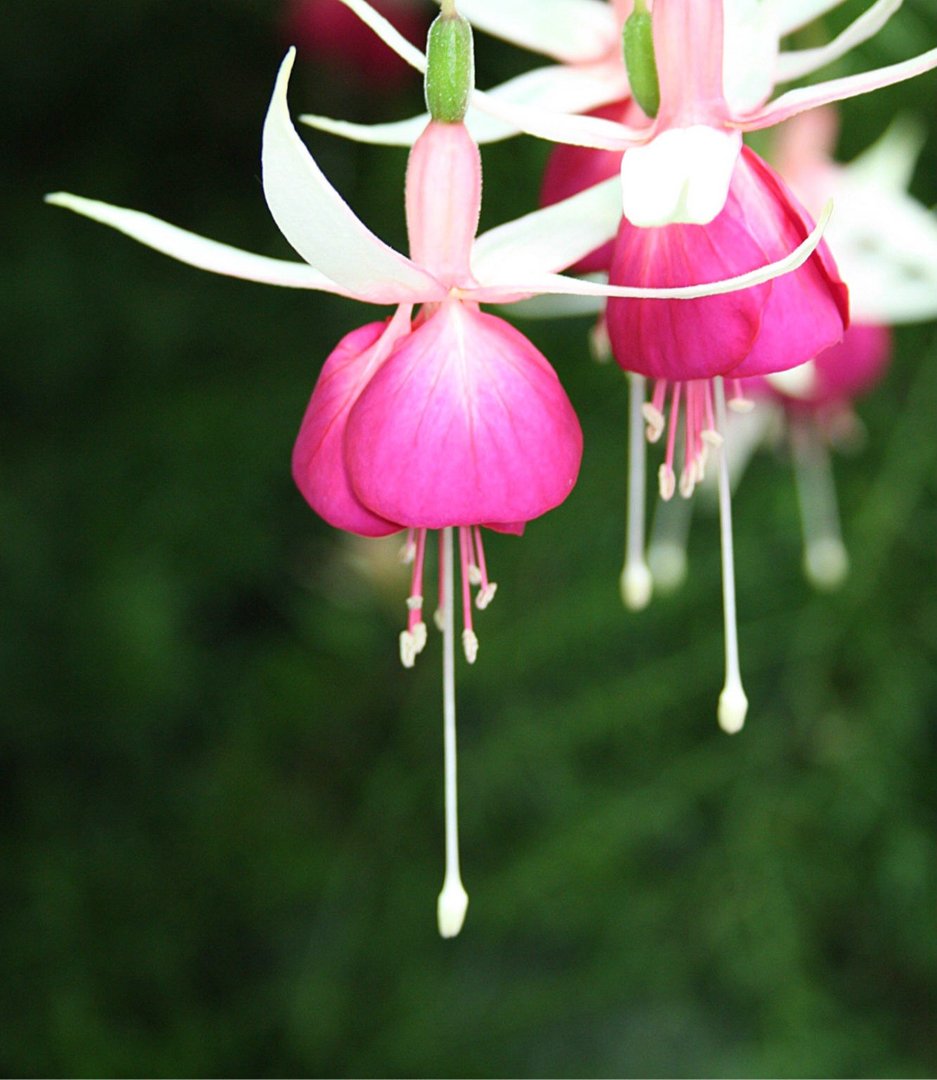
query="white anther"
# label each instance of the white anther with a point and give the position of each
(486, 595)
(826, 562)
(474, 574)
(636, 586)
(439, 620)
(470, 645)
(407, 552)
(414, 603)
(699, 466)
(688, 482)
(600, 345)
(667, 482)
(733, 707)
(654, 419)
(408, 649)
(451, 907)
(418, 633)
(712, 437)
(741, 404)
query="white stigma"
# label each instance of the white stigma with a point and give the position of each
(668, 565)
(470, 645)
(826, 562)
(451, 907)
(733, 708)
(636, 585)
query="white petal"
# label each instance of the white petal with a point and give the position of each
(793, 14)
(556, 283)
(682, 175)
(319, 223)
(571, 30)
(554, 88)
(196, 250)
(794, 65)
(550, 239)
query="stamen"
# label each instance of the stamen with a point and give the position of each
(469, 640)
(733, 704)
(739, 402)
(635, 582)
(666, 476)
(453, 899)
(653, 412)
(826, 560)
(488, 588)
(408, 549)
(415, 625)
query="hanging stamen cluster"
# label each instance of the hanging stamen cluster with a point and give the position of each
(694, 400)
(474, 574)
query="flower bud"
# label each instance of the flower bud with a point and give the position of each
(450, 68)
(638, 42)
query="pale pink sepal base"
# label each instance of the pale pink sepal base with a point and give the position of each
(466, 423)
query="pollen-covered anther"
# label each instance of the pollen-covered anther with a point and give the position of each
(474, 574)
(418, 633)
(688, 479)
(470, 645)
(712, 437)
(438, 619)
(408, 649)
(667, 481)
(414, 603)
(407, 551)
(485, 595)
(741, 404)
(654, 419)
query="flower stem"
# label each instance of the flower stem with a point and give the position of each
(733, 704)
(453, 900)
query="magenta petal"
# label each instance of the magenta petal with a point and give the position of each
(465, 423)
(771, 327)
(318, 456)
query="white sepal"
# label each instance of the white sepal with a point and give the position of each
(321, 226)
(575, 31)
(196, 250)
(550, 239)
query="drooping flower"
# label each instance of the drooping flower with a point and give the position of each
(886, 245)
(449, 419)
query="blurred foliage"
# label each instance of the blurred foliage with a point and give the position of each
(222, 797)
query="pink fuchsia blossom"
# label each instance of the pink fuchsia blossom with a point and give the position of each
(446, 420)
(332, 35)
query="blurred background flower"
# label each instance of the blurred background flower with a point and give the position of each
(220, 797)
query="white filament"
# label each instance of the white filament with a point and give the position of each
(733, 704)
(453, 899)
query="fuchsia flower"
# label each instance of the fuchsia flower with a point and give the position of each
(440, 419)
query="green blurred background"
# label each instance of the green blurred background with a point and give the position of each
(221, 794)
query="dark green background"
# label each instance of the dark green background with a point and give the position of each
(221, 795)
